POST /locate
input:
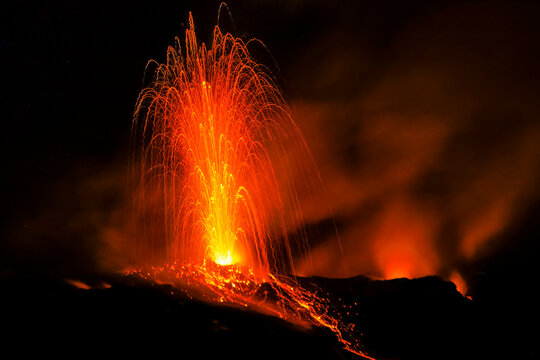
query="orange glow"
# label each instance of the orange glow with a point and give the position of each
(219, 149)
(403, 245)
(398, 266)
(460, 283)
(483, 227)
(78, 284)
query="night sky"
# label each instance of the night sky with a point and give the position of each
(422, 117)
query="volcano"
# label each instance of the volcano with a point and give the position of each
(421, 118)
(126, 315)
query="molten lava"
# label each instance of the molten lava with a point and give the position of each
(218, 151)
(214, 121)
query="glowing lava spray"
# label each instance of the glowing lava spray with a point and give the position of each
(216, 181)
(215, 120)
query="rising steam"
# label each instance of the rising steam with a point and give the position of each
(430, 155)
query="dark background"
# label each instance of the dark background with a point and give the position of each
(71, 73)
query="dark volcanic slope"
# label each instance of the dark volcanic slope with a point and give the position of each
(133, 317)
(425, 318)
(407, 319)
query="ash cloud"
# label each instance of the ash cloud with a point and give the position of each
(427, 141)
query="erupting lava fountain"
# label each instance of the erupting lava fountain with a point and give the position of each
(217, 191)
